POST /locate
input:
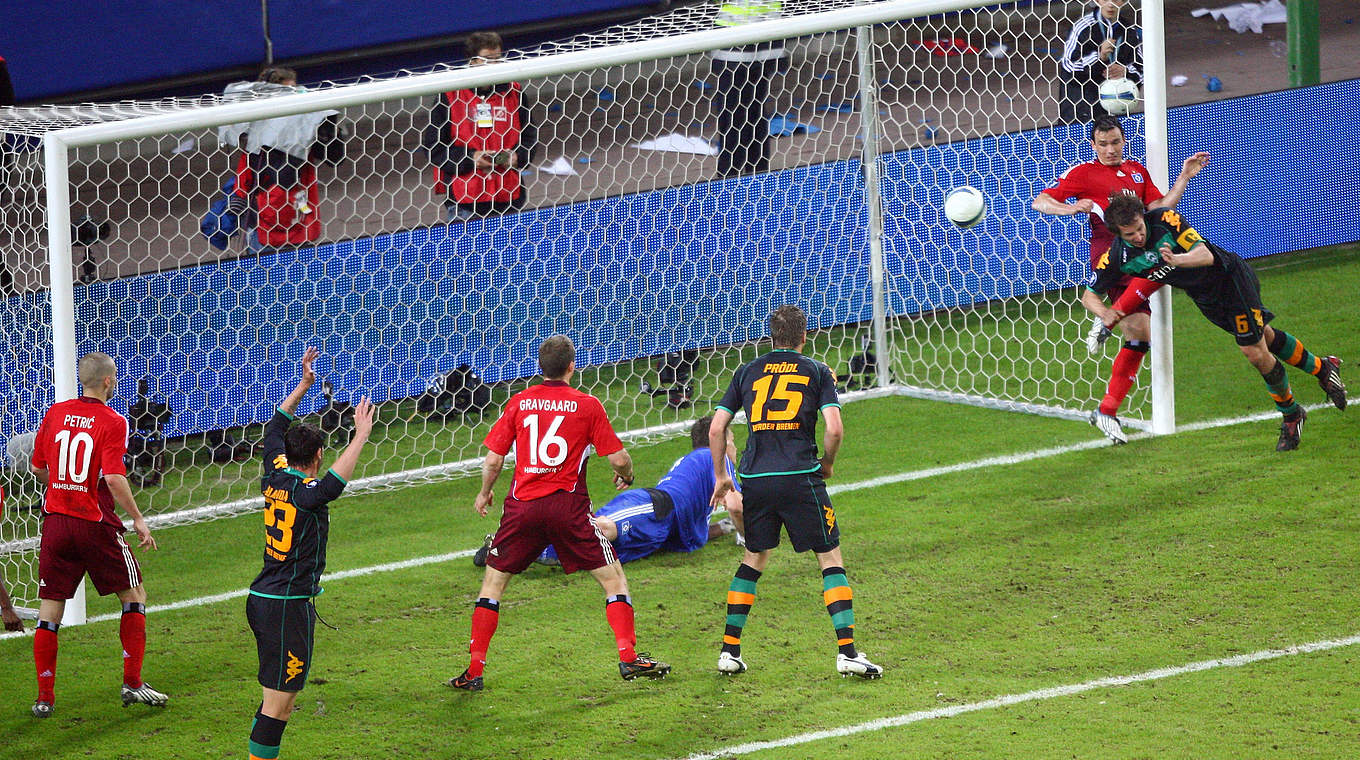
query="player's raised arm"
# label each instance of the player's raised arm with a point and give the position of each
(1047, 204)
(717, 445)
(290, 404)
(1192, 166)
(363, 428)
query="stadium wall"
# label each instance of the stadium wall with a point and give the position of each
(642, 274)
(107, 38)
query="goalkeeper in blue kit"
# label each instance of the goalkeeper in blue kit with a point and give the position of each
(672, 516)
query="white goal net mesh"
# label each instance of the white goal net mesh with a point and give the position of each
(647, 225)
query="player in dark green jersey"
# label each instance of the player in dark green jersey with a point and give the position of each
(783, 481)
(1161, 246)
(296, 524)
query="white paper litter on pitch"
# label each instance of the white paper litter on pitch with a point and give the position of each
(1179, 80)
(678, 143)
(561, 167)
(1244, 16)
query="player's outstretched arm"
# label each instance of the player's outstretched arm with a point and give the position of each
(122, 496)
(1189, 169)
(491, 470)
(622, 462)
(290, 404)
(363, 428)
(831, 439)
(1096, 305)
(1047, 204)
(717, 446)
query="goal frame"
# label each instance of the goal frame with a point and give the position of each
(57, 146)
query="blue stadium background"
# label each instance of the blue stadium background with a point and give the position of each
(642, 274)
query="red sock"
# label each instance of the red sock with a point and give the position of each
(485, 615)
(1137, 291)
(45, 659)
(132, 632)
(1122, 375)
(618, 610)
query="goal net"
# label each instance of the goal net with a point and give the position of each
(633, 189)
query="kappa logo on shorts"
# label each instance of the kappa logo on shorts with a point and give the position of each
(295, 667)
(830, 516)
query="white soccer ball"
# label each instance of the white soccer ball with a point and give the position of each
(1118, 96)
(19, 451)
(965, 206)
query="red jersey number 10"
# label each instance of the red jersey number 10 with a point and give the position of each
(73, 457)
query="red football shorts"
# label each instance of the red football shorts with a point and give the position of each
(72, 547)
(561, 519)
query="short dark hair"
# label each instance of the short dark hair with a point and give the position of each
(554, 356)
(277, 75)
(302, 443)
(479, 41)
(698, 434)
(788, 327)
(1123, 211)
(1105, 124)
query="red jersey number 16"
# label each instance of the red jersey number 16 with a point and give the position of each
(551, 449)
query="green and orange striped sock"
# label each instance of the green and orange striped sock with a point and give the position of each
(839, 605)
(1291, 351)
(1278, 383)
(740, 596)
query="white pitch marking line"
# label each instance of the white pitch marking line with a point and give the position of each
(405, 564)
(1029, 696)
(884, 480)
(1027, 456)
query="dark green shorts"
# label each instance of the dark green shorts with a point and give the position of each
(797, 503)
(283, 631)
(1236, 306)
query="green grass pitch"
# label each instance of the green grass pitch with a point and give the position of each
(992, 581)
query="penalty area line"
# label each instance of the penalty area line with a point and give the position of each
(1007, 700)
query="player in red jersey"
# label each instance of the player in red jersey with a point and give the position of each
(552, 427)
(1092, 184)
(79, 453)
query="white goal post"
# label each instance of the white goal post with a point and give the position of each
(659, 268)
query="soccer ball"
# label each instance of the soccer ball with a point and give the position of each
(19, 451)
(1118, 96)
(965, 206)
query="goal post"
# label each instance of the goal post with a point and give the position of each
(661, 268)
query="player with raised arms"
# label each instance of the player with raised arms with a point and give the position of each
(552, 427)
(784, 481)
(79, 453)
(1159, 245)
(296, 529)
(1092, 184)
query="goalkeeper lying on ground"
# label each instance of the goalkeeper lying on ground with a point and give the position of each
(673, 516)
